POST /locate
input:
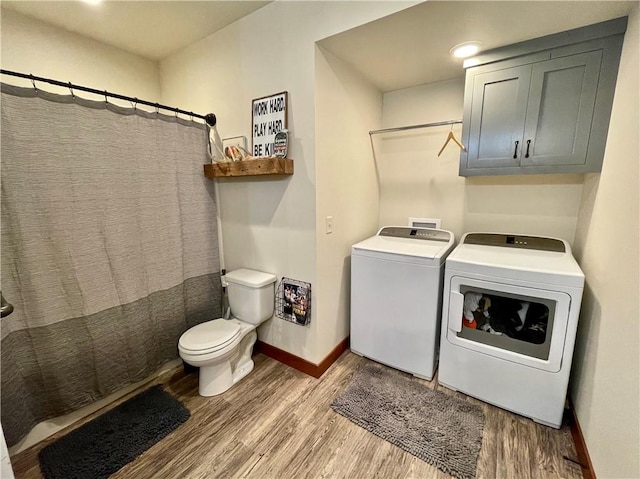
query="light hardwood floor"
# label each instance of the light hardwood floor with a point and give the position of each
(277, 423)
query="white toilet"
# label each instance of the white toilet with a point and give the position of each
(222, 348)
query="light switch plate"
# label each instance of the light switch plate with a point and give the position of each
(328, 225)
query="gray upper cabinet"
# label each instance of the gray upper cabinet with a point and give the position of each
(542, 106)
(562, 97)
(498, 116)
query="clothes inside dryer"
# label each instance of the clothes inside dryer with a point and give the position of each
(518, 324)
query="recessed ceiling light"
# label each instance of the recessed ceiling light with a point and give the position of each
(92, 2)
(466, 49)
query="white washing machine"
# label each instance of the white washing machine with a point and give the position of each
(396, 297)
(509, 320)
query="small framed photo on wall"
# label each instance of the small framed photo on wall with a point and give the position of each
(269, 116)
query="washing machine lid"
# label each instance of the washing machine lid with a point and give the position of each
(424, 245)
(526, 258)
(209, 336)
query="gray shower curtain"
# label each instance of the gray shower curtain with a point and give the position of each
(109, 249)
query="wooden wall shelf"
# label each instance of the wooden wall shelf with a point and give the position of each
(258, 166)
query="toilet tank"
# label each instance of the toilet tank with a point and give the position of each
(251, 295)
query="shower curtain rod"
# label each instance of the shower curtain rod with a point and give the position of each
(412, 127)
(210, 118)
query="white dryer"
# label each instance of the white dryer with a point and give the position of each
(396, 297)
(509, 320)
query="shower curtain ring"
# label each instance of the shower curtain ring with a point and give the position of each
(191, 115)
(105, 97)
(157, 109)
(71, 90)
(135, 103)
(33, 82)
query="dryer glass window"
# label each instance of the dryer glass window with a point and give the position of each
(508, 321)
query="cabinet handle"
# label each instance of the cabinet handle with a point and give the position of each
(528, 145)
(515, 152)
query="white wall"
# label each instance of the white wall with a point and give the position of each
(269, 224)
(347, 107)
(31, 46)
(414, 181)
(606, 376)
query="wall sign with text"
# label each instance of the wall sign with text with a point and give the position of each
(269, 117)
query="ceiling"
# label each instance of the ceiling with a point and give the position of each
(402, 50)
(150, 29)
(412, 47)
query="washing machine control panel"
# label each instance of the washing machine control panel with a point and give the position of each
(415, 233)
(516, 241)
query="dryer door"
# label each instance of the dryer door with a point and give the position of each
(519, 324)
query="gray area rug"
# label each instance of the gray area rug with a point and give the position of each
(102, 446)
(440, 429)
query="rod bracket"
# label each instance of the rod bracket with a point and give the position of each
(211, 119)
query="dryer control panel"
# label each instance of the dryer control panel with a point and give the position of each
(415, 233)
(516, 241)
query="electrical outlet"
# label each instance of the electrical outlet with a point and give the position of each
(328, 225)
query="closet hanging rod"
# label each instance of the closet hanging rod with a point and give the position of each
(413, 127)
(209, 118)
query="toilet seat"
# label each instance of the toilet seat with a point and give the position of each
(209, 337)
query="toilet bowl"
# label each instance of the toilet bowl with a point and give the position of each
(222, 348)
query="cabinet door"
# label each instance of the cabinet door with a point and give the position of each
(498, 109)
(560, 110)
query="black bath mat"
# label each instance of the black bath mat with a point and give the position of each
(102, 446)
